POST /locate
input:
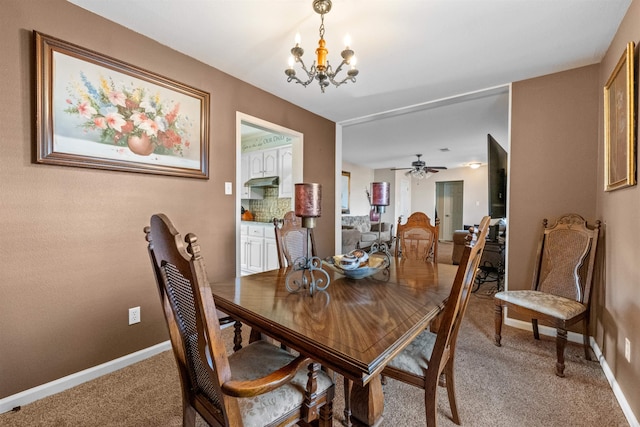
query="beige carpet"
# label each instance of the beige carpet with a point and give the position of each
(513, 385)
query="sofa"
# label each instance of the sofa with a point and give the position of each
(359, 232)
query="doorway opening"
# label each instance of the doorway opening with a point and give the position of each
(449, 200)
(262, 136)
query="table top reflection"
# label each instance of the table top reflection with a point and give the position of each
(355, 326)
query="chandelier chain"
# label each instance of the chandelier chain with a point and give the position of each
(322, 26)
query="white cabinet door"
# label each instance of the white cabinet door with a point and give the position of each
(270, 162)
(255, 262)
(245, 169)
(270, 249)
(263, 163)
(285, 161)
(256, 164)
(271, 255)
(244, 254)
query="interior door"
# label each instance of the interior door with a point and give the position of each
(449, 198)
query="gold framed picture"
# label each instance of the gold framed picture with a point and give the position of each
(619, 124)
(94, 111)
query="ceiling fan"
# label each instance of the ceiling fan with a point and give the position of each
(419, 169)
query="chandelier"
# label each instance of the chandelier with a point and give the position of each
(320, 69)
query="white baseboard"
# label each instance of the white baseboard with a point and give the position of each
(64, 383)
(544, 330)
(577, 338)
(608, 373)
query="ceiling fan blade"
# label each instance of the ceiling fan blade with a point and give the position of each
(399, 169)
(435, 167)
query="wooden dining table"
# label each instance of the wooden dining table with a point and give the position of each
(355, 326)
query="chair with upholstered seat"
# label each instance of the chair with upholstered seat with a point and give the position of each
(417, 238)
(431, 354)
(563, 273)
(293, 240)
(260, 384)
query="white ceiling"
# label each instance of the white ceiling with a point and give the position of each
(415, 56)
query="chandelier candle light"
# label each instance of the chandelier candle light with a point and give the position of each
(306, 269)
(320, 69)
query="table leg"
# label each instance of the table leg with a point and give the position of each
(367, 403)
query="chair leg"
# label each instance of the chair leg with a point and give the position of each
(430, 405)
(585, 339)
(451, 391)
(188, 415)
(347, 402)
(498, 322)
(326, 414)
(534, 325)
(561, 343)
(237, 336)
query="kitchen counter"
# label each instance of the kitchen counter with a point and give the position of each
(256, 223)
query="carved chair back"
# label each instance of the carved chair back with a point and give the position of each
(417, 239)
(458, 300)
(431, 355)
(191, 317)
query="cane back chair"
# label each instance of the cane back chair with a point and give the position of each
(260, 384)
(561, 286)
(293, 240)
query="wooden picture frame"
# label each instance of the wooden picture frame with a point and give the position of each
(619, 124)
(345, 194)
(94, 111)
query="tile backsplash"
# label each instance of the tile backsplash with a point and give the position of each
(268, 208)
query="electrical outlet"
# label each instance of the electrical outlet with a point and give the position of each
(134, 315)
(627, 349)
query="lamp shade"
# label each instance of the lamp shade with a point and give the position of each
(380, 193)
(308, 200)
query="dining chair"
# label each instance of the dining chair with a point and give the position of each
(417, 239)
(292, 238)
(258, 385)
(561, 286)
(431, 354)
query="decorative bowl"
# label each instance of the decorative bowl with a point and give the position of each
(367, 268)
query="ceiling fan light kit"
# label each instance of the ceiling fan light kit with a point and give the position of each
(321, 70)
(420, 170)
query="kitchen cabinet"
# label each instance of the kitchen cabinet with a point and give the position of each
(273, 162)
(263, 163)
(258, 251)
(248, 192)
(270, 249)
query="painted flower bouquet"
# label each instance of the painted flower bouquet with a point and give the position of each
(129, 116)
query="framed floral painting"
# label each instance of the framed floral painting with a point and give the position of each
(97, 112)
(619, 124)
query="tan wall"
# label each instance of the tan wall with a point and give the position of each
(557, 167)
(553, 160)
(618, 296)
(73, 252)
